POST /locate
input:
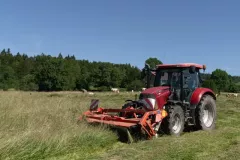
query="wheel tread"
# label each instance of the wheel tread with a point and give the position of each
(199, 121)
(166, 127)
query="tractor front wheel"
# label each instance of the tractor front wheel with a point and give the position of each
(206, 113)
(173, 124)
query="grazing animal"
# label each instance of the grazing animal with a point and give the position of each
(90, 93)
(84, 91)
(115, 90)
(232, 95)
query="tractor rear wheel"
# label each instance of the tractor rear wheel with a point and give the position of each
(206, 113)
(173, 124)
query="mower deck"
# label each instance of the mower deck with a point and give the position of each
(113, 120)
(145, 125)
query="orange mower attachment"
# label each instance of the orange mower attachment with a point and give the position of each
(141, 122)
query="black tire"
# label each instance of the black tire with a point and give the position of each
(206, 113)
(173, 124)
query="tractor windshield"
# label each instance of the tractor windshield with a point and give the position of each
(168, 77)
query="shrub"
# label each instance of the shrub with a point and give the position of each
(210, 84)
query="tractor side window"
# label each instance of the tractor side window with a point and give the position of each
(161, 79)
(176, 80)
(200, 81)
(167, 77)
(190, 81)
(164, 79)
(194, 83)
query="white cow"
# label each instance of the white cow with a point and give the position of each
(232, 95)
(90, 93)
(116, 90)
(235, 94)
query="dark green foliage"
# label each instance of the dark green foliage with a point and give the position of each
(221, 79)
(153, 62)
(210, 84)
(46, 73)
(135, 85)
(205, 76)
(104, 88)
(235, 79)
(7, 77)
(28, 83)
(233, 88)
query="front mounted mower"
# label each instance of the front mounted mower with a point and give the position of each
(173, 100)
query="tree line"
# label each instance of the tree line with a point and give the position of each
(48, 73)
(220, 81)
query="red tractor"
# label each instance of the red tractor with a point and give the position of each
(173, 100)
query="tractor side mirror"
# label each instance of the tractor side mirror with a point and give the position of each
(192, 69)
(147, 66)
(146, 73)
(145, 70)
(143, 74)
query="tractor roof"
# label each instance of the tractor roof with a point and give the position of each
(181, 65)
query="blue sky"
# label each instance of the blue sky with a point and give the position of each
(124, 31)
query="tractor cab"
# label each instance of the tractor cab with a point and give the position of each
(182, 79)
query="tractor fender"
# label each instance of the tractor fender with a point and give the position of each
(198, 93)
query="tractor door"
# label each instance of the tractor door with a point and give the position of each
(190, 83)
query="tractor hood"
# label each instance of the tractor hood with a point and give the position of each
(156, 94)
(156, 90)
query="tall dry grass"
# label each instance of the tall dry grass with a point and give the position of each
(44, 125)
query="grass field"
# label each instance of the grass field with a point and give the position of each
(43, 126)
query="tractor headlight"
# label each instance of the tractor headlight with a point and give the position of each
(148, 100)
